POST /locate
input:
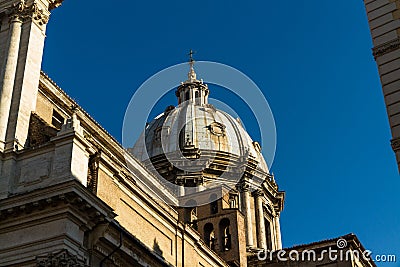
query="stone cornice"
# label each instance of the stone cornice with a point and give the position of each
(131, 245)
(72, 193)
(47, 84)
(112, 151)
(102, 139)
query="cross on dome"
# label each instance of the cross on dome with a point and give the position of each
(192, 76)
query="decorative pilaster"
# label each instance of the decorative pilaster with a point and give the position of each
(19, 79)
(22, 39)
(181, 189)
(260, 223)
(9, 67)
(278, 238)
(248, 216)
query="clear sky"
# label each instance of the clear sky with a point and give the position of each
(313, 61)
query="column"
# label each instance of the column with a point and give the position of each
(278, 232)
(261, 235)
(248, 220)
(7, 77)
(181, 189)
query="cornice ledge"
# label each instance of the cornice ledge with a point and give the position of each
(71, 192)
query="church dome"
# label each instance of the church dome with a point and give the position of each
(196, 130)
(199, 126)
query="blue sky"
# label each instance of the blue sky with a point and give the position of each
(312, 59)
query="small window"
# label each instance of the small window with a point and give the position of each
(187, 96)
(157, 135)
(57, 119)
(232, 202)
(197, 98)
(213, 204)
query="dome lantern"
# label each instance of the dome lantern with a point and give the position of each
(192, 91)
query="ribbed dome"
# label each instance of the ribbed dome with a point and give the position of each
(202, 127)
(194, 143)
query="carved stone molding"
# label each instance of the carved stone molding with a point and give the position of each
(93, 172)
(386, 48)
(258, 193)
(242, 187)
(22, 12)
(55, 4)
(257, 147)
(395, 144)
(16, 11)
(62, 258)
(38, 15)
(114, 259)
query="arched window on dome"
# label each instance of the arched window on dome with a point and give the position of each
(225, 234)
(187, 96)
(209, 235)
(197, 98)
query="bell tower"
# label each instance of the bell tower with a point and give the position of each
(22, 34)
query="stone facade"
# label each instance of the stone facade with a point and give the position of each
(41, 177)
(384, 23)
(71, 195)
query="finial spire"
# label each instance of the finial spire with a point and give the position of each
(192, 77)
(191, 53)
